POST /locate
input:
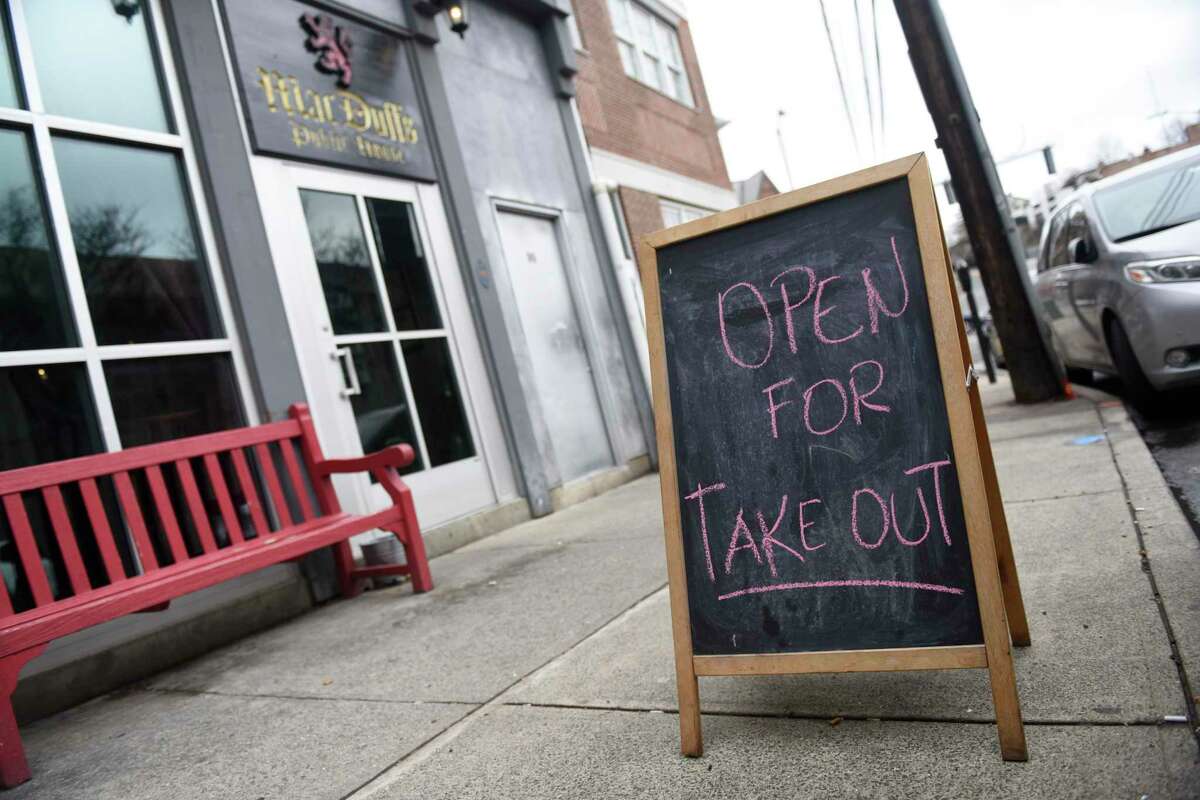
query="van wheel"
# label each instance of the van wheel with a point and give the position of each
(1138, 390)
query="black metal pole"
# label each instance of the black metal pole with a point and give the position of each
(985, 346)
(1036, 374)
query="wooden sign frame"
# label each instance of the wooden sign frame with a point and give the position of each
(1001, 608)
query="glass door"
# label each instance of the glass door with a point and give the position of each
(387, 365)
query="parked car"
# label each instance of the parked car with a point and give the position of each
(1119, 276)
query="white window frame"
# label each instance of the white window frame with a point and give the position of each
(40, 126)
(682, 212)
(650, 51)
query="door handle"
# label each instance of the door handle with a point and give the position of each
(349, 372)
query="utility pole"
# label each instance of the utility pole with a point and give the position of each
(787, 168)
(1036, 374)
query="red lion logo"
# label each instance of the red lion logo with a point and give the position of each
(332, 43)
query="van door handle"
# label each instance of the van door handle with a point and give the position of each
(349, 372)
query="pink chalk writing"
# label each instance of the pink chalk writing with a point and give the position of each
(896, 520)
(698, 496)
(875, 302)
(808, 393)
(803, 524)
(740, 529)
(818, 312)
(773, 406)
(937, 490)
(888, 584)
(788, 306)
(854, 518)
(725, 334)
(768, 540)
(860, 398)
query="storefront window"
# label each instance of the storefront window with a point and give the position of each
(155, 399)
(34, 310)
(47, 413)
(347, 276)
(95, 62)
(135, 242)
(381, 410)
(439, 403)
(405, 270)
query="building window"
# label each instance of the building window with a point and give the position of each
(649, 47)
(112, 311)
(678, 213)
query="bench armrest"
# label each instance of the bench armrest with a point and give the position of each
(397, 456)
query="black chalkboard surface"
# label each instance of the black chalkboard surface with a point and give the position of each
(829, 500)
(821, 508)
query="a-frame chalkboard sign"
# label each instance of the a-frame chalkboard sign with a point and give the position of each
(828, 491)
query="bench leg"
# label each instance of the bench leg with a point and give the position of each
(14, 769)
(414, 547)
(343, 560)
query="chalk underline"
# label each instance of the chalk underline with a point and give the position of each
(783, 587)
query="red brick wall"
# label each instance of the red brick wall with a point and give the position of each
(643, 215)
(623, 116)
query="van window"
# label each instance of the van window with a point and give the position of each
(1077, 228)
(1056, 242)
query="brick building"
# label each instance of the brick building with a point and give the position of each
(651, 135)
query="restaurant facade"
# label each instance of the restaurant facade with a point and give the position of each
(212, 209)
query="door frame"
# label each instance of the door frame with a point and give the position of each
(583, 312)
(279, 182)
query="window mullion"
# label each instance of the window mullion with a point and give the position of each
(410, 398)
(24, 56)
(60, 230)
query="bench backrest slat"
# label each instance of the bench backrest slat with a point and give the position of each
(166, 514)
(191, 494)
(250, 493)
(298, 487)
(86, 523)
(27, 549)
(136, 522)
(65, 535)
(233, 526)
(266, 465)
(101, 530)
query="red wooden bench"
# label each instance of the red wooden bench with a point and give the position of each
(216, 527)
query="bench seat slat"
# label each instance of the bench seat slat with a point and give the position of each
(135, 521)
(298, 486)
(166, 514)
(102, 530)
(246, 481)
(216, 477)
(271, 477)
(75, 469)
(27, 550)
(109, 602)
(191, 494)
(63, 532)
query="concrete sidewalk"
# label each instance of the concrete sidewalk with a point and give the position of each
(541, 667)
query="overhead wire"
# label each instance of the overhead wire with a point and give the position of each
(837, 67)
(866, 77)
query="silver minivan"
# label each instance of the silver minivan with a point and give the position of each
(1119, 276)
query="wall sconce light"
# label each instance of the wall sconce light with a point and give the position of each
(127, 9)
(456, 11)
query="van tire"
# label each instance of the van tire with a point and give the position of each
(1138, 390)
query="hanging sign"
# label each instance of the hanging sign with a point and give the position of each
(318, 87)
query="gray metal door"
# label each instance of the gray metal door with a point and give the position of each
(558, 360)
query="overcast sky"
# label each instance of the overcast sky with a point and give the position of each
(1082, 75)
